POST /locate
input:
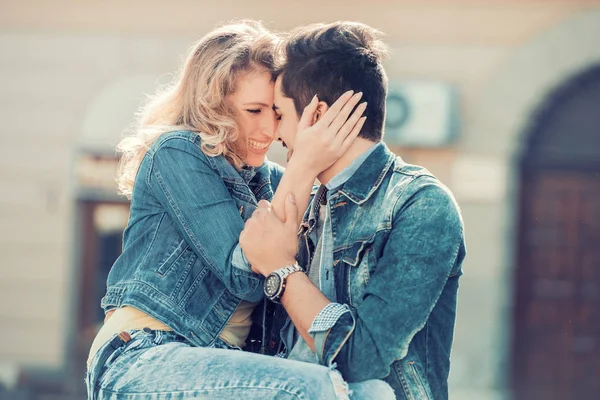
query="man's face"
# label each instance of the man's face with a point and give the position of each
(288, 119)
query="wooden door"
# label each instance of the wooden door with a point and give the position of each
(558, 310)
(102, 225)
(556, 336)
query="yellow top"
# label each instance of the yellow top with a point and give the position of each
(237, 329)
(127, 318)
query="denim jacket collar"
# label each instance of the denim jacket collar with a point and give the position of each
(366, 179)
(343, 176)
(247, 173)
(327, 190)
(248, 180)
(357, 182)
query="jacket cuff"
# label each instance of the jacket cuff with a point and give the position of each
(323, 325)
(327, 318)
(239, 260)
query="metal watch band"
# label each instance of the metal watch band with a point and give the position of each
(283, 273)
(287, 271)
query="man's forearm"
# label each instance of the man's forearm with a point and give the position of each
(303, 301)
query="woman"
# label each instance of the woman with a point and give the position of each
(182, 292)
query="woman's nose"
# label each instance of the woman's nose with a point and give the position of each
(269, 125)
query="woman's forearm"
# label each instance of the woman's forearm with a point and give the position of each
(299, 180)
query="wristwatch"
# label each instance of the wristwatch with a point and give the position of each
(275, 282)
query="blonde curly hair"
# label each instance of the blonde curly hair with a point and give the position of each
(196, 99)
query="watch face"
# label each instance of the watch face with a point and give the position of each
(272, 284)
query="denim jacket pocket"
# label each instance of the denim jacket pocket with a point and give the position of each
(172, 258)
(359, 261)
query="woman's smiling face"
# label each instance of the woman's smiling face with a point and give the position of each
(257, 122)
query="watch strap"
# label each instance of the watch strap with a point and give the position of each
(287, 271)
(283, 273)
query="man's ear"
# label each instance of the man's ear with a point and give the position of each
(321, 110)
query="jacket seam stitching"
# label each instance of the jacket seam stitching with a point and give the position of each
(162, 217)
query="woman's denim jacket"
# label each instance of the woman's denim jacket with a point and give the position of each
(181, 259)
(398, 247)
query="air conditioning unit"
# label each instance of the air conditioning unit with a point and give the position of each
(421, 114)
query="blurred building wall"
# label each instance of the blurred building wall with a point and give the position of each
(73, 73)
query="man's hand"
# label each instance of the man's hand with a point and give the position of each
(268, 242)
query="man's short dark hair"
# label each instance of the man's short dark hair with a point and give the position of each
(328, 60)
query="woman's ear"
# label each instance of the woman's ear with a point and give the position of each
(321, 110)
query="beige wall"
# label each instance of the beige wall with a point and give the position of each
(60, 58)
(483, 22)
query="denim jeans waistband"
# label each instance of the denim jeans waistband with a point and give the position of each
(117, 344)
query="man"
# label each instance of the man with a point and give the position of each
(372, 289)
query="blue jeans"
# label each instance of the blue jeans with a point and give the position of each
(163, 365)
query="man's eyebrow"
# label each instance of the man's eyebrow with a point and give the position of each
(256, 103)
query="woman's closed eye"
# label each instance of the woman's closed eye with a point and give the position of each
(259, 110)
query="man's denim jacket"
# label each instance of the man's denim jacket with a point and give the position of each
(187, 212)
(398, 249)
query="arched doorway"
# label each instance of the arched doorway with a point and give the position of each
(556, 336)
